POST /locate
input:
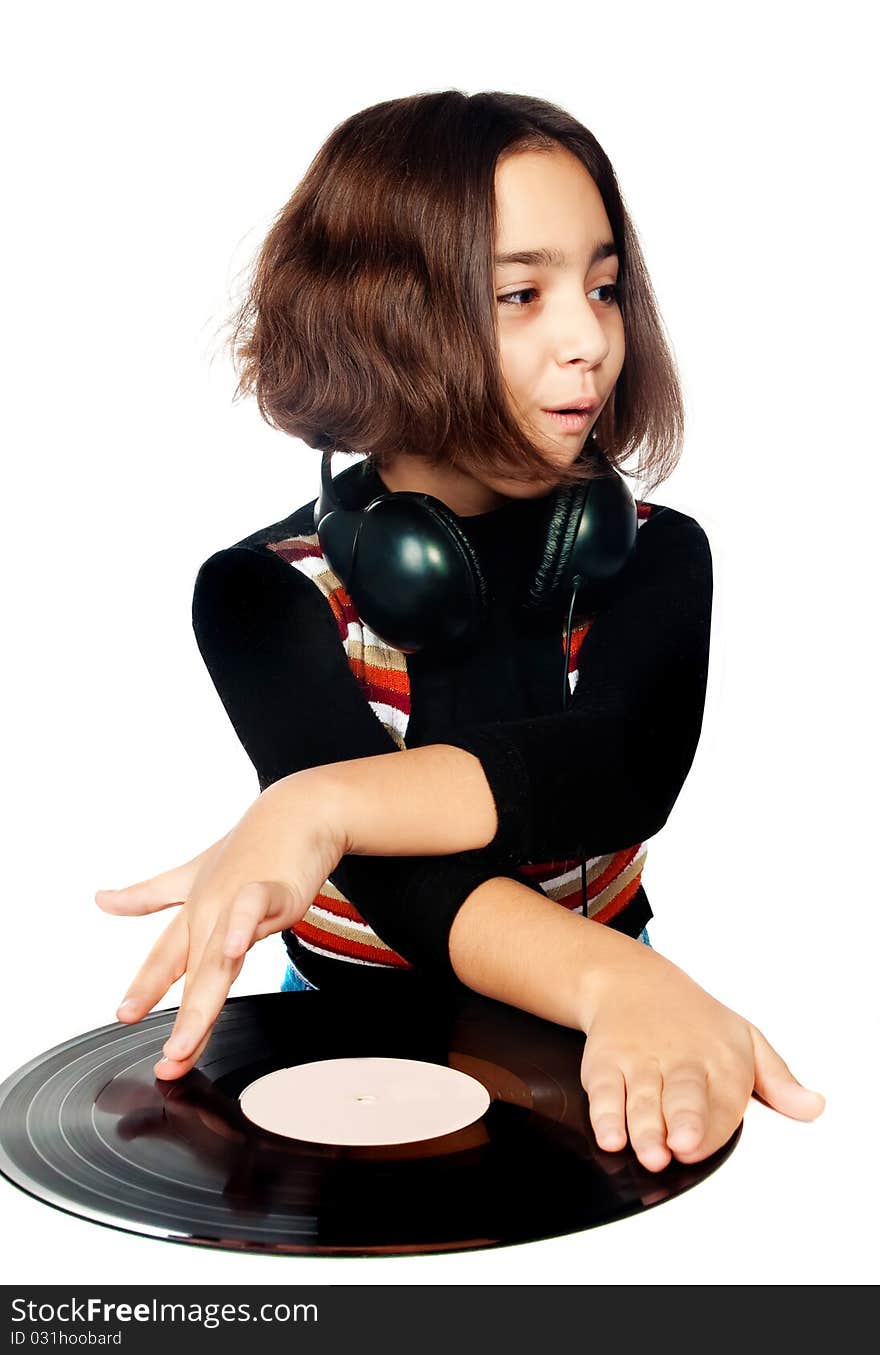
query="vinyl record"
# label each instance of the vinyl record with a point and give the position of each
(88, 1128)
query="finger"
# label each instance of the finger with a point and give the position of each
(605, 1089)
(685, 1105)
(776, 1084)
(166, 890)
(250, 906)
(727, 1102)
(169, 1069)
(210, 986)
(207, 990)
(254, 904)
(162, 967)
(644, 1117)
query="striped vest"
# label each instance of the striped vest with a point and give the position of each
(332, 926)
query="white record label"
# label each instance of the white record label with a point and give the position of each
(362, 1101)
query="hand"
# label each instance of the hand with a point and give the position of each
(259, 878)
(676, 1068)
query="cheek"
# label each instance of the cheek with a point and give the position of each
(617, 343)
(516, 359)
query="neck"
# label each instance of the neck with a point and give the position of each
(462, 493)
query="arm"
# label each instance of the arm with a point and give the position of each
(272, 649)
(634, 723)
(665, 1063)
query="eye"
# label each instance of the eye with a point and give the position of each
(509, 299)
(611, 287)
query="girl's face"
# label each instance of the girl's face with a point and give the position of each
(560, 330)
(559, 325)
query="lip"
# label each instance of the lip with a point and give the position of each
(585, 403)
(570, 423)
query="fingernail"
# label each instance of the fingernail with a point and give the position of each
(128, 1005)
(176, 1046)
(684, 1134)
(234, 943)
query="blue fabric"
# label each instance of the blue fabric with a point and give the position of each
(294, 982)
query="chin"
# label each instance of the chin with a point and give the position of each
(517, 489)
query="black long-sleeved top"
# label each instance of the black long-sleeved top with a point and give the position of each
(594, 779)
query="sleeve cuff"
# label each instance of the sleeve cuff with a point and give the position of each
(508, 779)
(417, 922)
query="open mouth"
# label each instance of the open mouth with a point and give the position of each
(570, 419)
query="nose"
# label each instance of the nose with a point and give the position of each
(581, 336)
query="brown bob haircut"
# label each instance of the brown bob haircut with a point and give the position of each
(369, 325)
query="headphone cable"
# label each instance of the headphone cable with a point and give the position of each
(566, 692)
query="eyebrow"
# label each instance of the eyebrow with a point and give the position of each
(552, 258)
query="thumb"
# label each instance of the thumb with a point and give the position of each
(148, 896)
(776, 1084)
(166, 890)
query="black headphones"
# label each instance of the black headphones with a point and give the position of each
(415, 578)
(416, 581)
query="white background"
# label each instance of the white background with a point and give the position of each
(149, 148)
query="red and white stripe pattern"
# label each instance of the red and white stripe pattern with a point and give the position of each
(332, 926)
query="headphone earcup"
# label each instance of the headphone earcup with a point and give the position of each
(590, 532)
(412, 574)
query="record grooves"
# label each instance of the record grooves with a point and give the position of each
(87, 1128)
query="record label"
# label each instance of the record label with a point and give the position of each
(358, 1101)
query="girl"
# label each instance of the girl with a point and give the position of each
(451, 273)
